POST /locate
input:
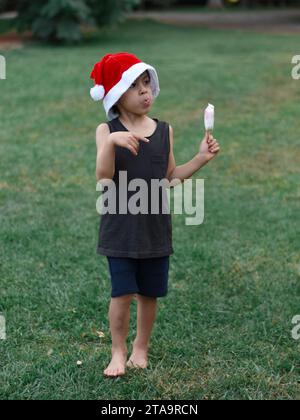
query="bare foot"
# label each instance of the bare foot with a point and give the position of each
(117, 364)
(138, 358)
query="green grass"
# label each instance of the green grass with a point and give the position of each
(224, 330)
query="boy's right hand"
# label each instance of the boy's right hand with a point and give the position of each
(128, 140)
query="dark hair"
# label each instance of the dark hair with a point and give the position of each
(115, 109)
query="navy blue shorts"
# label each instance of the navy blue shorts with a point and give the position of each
(145, 276)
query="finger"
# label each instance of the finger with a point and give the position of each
(144, 139)
(134, 136)
(132, 149)
(210, 138)
(215, 142)
(134, 143)
(135, 148)
(137, 137)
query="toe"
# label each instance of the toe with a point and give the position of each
(130, 363)
(113, 373)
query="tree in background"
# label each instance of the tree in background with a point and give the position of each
(8, 5)
(61, 20)
(54, 20)
(2, 5)
(110, 12)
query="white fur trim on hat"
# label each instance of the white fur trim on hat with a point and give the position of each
(97, 92)
(128, 77)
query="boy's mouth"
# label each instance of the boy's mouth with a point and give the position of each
(146, 102)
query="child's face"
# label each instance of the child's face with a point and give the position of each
(138, 98)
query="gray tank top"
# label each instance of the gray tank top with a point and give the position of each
(138, 235)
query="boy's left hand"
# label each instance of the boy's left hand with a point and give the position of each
(209, 147)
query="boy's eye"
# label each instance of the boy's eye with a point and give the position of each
(146, 81)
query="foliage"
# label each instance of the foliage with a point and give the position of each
(56, 20)
(108, 12)
(61, 20)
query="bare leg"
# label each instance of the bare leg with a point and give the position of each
(146, 313)
(119, 316)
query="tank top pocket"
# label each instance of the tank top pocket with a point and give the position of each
(158, 167)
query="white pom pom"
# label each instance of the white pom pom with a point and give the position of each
(97, 92)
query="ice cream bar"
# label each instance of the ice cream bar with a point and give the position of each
(209, 117)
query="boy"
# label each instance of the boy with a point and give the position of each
(137, 246)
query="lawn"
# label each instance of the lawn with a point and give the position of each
(224, 330)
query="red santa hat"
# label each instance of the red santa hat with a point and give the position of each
(114, 75)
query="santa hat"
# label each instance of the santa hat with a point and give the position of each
(114, 75)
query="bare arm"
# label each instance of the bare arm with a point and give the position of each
(185, 171)
(106, 143)
(105, 162)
